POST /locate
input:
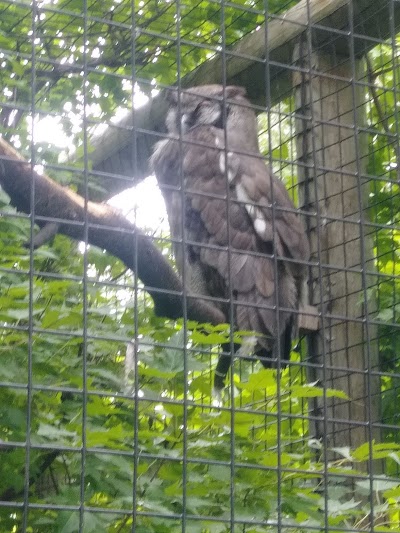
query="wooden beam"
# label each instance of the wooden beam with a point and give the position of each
(246, 64)
(280, 34)
(332, 150)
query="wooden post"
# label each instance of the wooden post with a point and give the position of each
(332, 159)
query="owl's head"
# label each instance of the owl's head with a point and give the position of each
(203, 105)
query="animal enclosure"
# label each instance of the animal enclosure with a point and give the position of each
(108, 417)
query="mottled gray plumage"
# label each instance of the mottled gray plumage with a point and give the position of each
(196, 173)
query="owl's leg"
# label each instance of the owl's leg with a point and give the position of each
(244, 351)
(266, 358)
(270, 358)
(223, 366)
(286, 340)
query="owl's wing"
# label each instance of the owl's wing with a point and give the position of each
(255, 229)
(272, 213)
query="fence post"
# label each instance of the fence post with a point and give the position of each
(332, 157)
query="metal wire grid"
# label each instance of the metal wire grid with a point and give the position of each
(379, 330)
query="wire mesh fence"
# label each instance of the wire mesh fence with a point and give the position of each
(116, 311)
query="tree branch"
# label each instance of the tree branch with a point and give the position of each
(107, 228)
(45, 461)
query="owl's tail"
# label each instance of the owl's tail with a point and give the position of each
(274, 332)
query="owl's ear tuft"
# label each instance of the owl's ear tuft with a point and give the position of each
(231, 91)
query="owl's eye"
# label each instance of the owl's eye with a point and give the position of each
(206, 112)
(196, 113)
(190, 119)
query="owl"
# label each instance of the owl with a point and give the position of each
(237, 238)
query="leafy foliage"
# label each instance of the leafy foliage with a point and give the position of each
(384, 211)
(56, 42)
(147, 426)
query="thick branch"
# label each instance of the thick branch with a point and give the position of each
(106, 228)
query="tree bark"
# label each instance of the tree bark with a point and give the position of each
(104, 226)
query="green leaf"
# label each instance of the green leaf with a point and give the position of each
(312, 391)
(344, 451)
(263, 379)
(376, 451)
(377, 485)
